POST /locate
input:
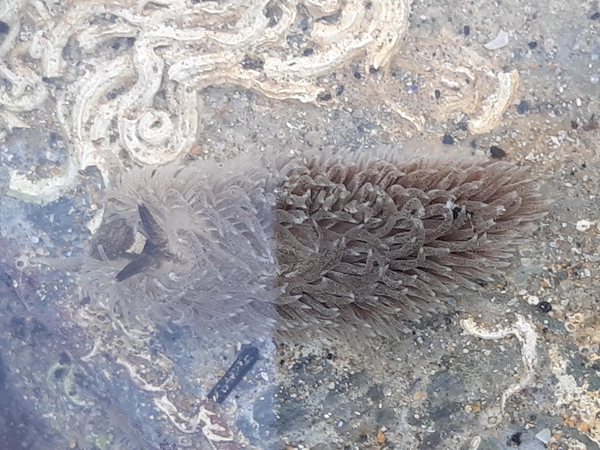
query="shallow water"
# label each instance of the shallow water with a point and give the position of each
(91, 89)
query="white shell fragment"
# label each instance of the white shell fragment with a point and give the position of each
(501, 40)
(545, 435)
(584, 225)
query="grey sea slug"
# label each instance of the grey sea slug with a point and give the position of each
(347, 243)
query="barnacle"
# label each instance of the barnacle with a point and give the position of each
(472, 85)
(62, 378)
(496, 104)
(346, 243)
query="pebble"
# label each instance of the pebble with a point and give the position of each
(516, 438)
(523, 107)
(466, 30)
(545, 307)
(497, 152)
(448, 140)
(578, 101)
(331, 385)
(532, 45)
(544, 435)
(533, 300)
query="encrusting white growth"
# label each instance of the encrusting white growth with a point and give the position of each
(139, 91)
(526, 335)
(351, 243)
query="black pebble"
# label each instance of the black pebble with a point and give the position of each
(4, 28)
(467, 30)
(357, 75)
(574, 125)
(497, 152)
(523, 107)
(532, 45)
(438, 94)
(308, 51)
(516, 438)
(325, 97)
(373, 70)
(595, 16)
(339, 90)
(545, 307)
(448, 140)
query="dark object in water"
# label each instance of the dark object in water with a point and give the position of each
(350, 244)
(497, 152)
(237, 371)
(154, 248)
(515, 439)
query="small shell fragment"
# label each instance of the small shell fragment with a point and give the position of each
(584, 225)
(544, 435)
(501, 40)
